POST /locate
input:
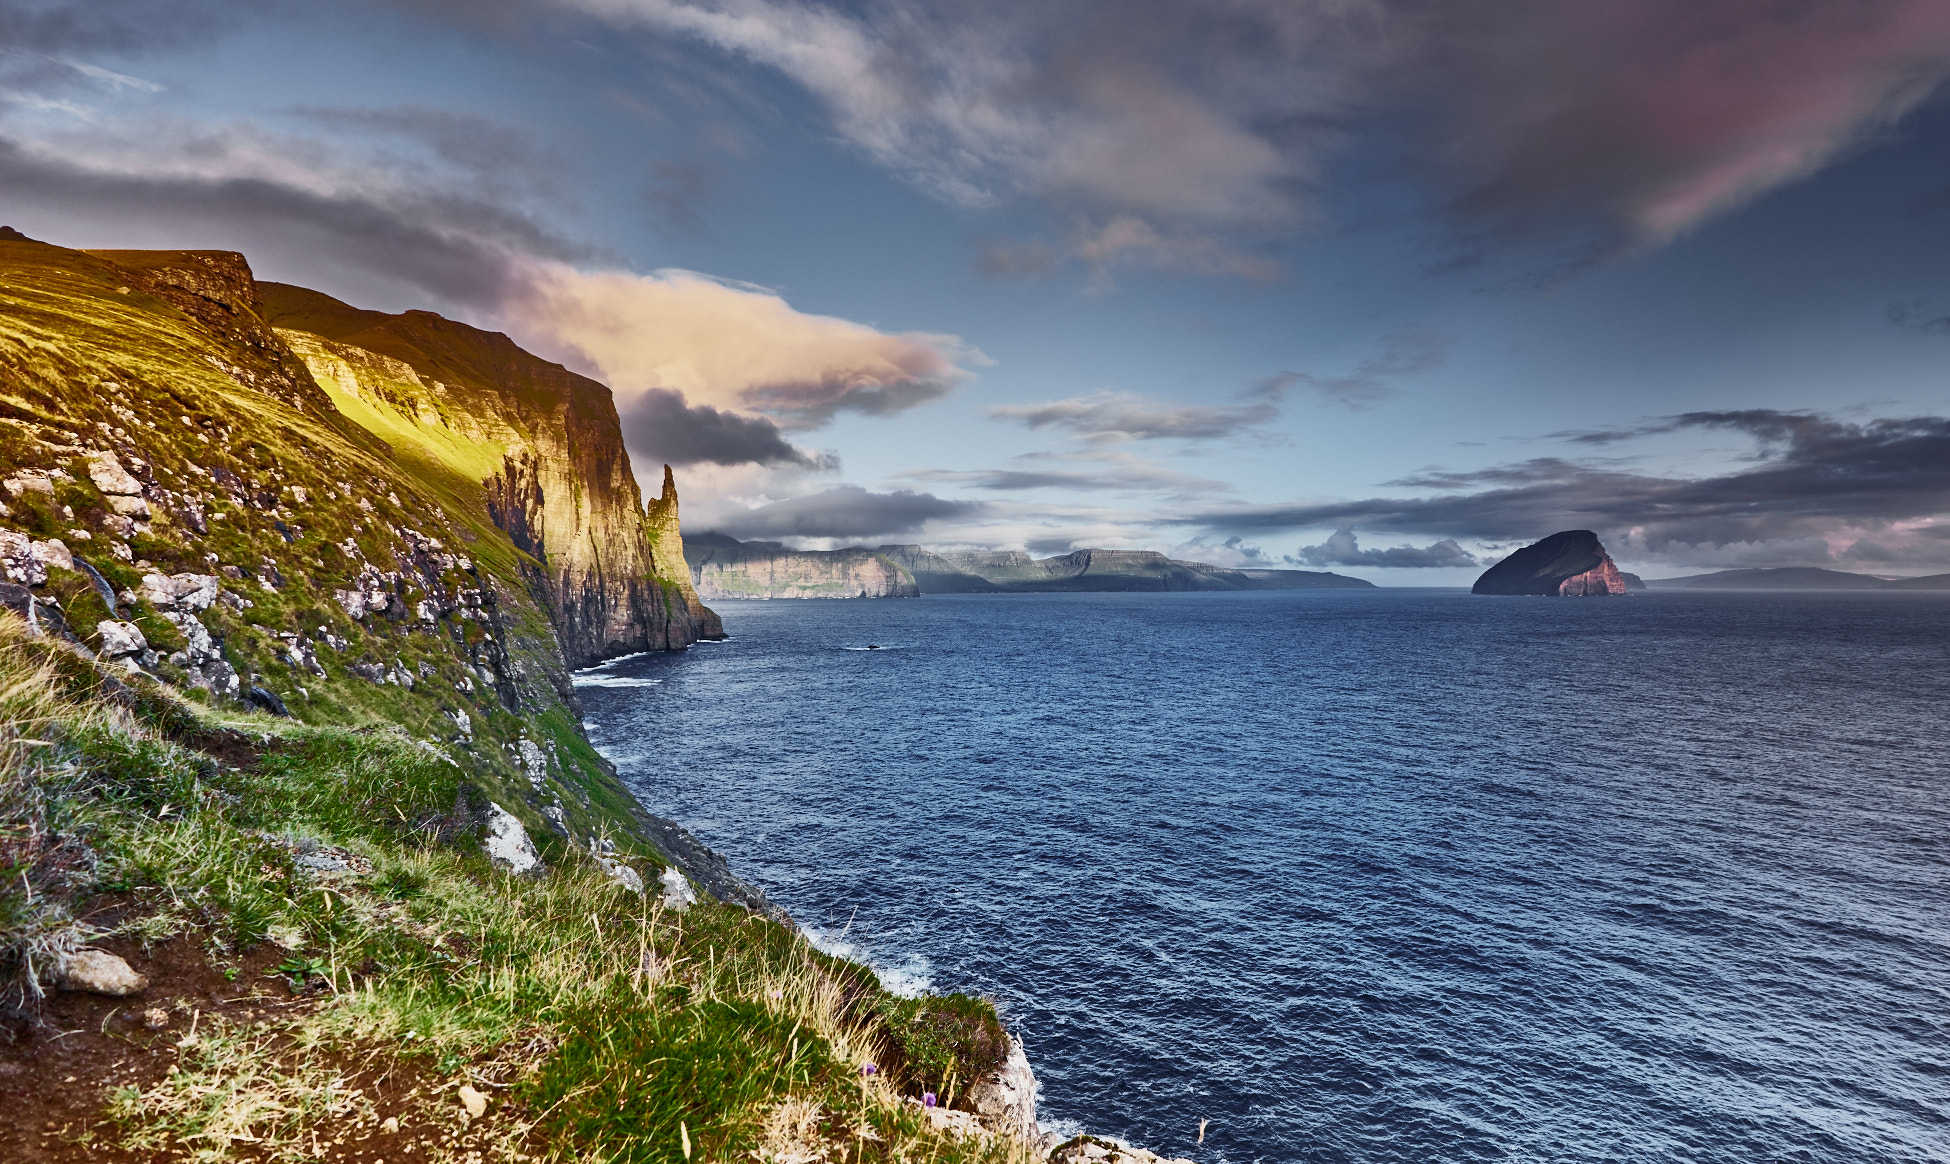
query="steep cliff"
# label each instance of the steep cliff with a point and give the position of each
(1571, 564)
(179, 495)
(724, 567)
(768, 570)
(542, 441)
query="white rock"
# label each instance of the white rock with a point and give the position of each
(678, 893)
(189, 591)
(18, 561)
(120, 638)
(472, 1100)
(100, 972)
(53, 553)
(110, 477)
(622, 874)
(130, 507)
(507, 842)
(1006, 1100)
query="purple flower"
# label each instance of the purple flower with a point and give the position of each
(927, 1099)
(867, 1069)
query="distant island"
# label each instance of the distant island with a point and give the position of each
(1570, 564)
(723, 567)
(1797, 578)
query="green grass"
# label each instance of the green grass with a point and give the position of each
(606, 1027)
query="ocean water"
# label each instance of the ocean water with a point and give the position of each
(1366, 876)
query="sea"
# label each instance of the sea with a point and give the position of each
(1364, 876)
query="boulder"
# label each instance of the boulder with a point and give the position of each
(120, 639)
(1571, 564)
(100, 972)
(507, 842)
(1006, 1100)
(192, 592)
(678, 894)
(106, 471)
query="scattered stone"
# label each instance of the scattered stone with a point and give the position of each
(507, 842)
(120, 639)
(391, 1126)
(100, 972)
(622, 874)
(1097, 1150)
(110, 477)
(472, 1100)
(191, 592)
(678, 894)
(267, 699)
(19, 562)
(53, 554)
(155, 1018)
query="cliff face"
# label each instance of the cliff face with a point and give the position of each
(767, 570)
(1571, 564)
(542, 442)
(667, 548)
(180, 496)
(723, 567)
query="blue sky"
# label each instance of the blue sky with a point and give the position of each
(1347, 286)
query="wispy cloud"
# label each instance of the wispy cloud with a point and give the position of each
(1647, 115)
(1812, 479)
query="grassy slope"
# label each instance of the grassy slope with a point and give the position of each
(600, 1026)
(86, 365)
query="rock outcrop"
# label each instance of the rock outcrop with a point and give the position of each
(724, 567)
(727, 568)
(426, 543)
(1571, 564)
(544, 443)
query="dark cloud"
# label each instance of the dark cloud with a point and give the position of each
(1639, 118)
(1342, 549)
(131, 26)
(462, 249)
(847, 512)
(1811, 474)
(661, 427)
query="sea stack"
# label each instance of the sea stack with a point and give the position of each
(1571, 564)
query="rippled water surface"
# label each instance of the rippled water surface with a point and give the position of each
(1367, 876)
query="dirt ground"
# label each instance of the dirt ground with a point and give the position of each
(56, 1076)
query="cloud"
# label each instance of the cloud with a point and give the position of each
(1127, 416)
(846, 511)
(1910, 315)
(1644, 116)
(734, 346)
(1404, 353)
(445, 220)
(1811, 476)
(1341, 549)
(1106, 469)
(659, 428)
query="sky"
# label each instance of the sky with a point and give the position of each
(1377, 286)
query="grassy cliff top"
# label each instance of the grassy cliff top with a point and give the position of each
(334, 970)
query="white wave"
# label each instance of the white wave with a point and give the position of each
(910, 978)
(585, 680)
(867, 648)
(607, 663)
